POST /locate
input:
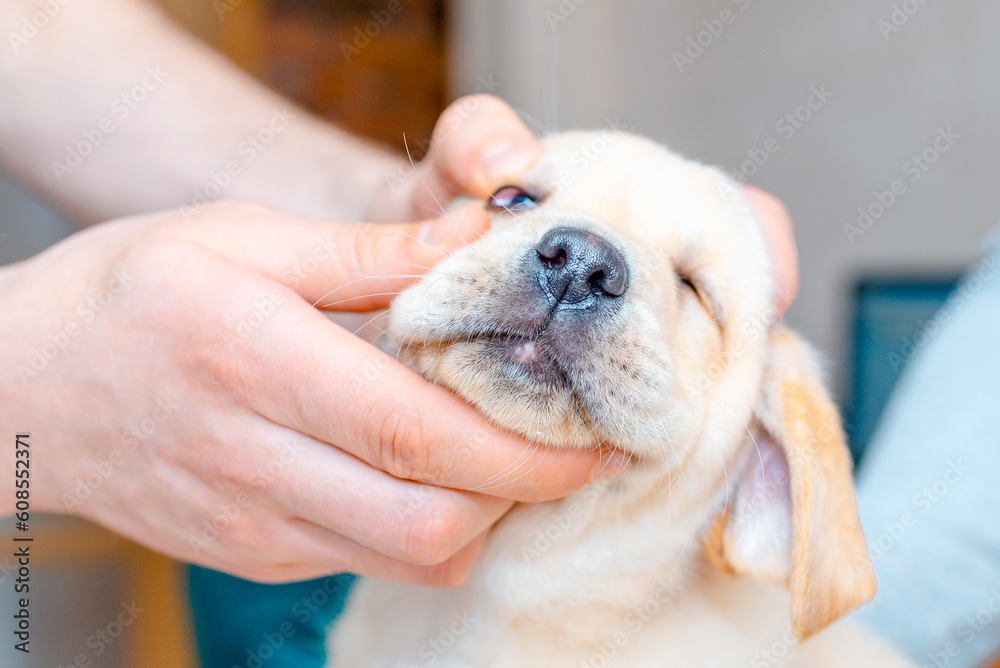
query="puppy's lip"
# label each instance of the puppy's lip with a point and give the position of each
(529, 353)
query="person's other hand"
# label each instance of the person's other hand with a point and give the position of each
(779, 233)
(181, 390)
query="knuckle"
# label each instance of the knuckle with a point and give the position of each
(245, 536)
(360, 253)
(433, 535)
(253, 537)
(155, 254)
(401, 450)
(237, 478)
(230, 476)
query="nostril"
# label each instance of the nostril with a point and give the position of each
(576, 265)
(615, 282)
(553, 260)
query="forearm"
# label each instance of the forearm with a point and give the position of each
(163, 120)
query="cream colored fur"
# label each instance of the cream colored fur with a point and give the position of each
(739, 485)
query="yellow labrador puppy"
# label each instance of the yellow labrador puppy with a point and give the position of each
(622, 298)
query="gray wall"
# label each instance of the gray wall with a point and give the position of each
(890, 95)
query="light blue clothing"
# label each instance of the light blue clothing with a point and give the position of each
(929, 489)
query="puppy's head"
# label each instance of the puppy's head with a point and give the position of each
(613, 272)
(622, 298)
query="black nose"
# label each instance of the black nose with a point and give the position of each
(576, 264)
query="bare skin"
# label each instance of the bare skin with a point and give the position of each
(193, 366)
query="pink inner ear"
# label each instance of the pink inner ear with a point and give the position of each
(759, 532)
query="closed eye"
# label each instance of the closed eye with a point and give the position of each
(687, 283)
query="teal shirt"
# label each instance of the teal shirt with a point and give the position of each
(242, 624)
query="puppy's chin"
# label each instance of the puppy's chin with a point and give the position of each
(512, 380)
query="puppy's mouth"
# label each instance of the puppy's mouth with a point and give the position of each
(531, 354)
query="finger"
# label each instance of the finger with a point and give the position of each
(479, 143)
(340, 266)
(413, 522)
(386, 415)
(299, 550)
(353, 557)
(779, 234)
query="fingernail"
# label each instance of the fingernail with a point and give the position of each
(508, 159)
(611, 464)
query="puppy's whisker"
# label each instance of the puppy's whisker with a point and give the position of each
(369, 277)
(500, 481)
(371, 323)
(355, 298)
(420, 178)
(513, 465)
(392, 231)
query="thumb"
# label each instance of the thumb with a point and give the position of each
(478, 144)
(377, 261)
(336, 266)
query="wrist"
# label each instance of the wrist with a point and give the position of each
(39, 331)
(12, 410)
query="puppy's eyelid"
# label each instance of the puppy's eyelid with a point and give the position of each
(685, 280)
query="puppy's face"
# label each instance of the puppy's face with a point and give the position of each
(615, 300)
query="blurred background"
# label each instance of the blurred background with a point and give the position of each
(824, 104)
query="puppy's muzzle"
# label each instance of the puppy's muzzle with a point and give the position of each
(560, 306)
(579, 269)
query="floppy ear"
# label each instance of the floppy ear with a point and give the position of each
(793, 519)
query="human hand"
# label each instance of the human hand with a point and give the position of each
(779, 234)
(181, 390)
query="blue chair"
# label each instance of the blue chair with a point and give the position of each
(889, 323)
